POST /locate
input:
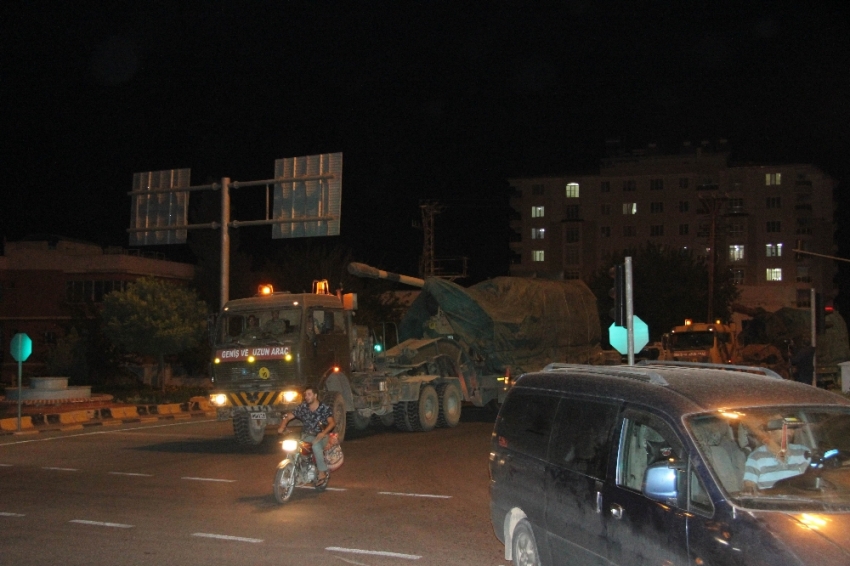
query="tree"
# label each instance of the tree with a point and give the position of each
(155, 318)
(669, 285)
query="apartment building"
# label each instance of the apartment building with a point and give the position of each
(568, 226)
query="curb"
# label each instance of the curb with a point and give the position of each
(197, 407)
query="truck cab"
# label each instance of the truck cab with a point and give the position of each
(700, 342)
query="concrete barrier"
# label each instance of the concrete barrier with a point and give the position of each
(12, 424)
(72, 417)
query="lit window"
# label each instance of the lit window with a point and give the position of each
(537, 212)
(736, 253)
(774, 274)
(773, 179)
(774, 250)
(629, 208)
(537, 255)
(572, 190)
(538, 233)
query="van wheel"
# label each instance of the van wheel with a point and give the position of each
(450, 405)
(524, 545)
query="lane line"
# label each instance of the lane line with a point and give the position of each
(6, 514)
(326, 489)
(227, 537)
(6, 465)
(121, 431)
(59, 469)
(101, 524)
(134, 474)
(415, 495)
(374, 552)
(207, 479)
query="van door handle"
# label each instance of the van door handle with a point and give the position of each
(616, 511)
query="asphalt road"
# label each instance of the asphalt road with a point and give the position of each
(184, 493)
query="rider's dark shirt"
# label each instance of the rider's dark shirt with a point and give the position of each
(313, 422)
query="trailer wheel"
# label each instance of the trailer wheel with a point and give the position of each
(423, 415)
(450, 405)
(248, 432)
(335, 401)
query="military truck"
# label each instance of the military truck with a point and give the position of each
(267, 348)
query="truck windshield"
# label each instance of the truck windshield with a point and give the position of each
(258, 326)
(692, 340)
(779, 458)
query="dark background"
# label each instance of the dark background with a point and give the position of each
(427, 100)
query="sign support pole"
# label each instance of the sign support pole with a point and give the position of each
(630, 312)
(20, 392)
(225, 240)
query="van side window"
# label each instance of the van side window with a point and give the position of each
(645, 440)
(581, 441)
(525, 422)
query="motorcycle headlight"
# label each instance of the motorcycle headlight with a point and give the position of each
(290, 445)
(219, 399)
(290, 396)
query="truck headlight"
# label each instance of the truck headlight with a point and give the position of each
(219, 399)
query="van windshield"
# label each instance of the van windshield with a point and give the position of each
(779, 458)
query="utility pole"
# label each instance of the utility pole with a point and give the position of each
(429, 209)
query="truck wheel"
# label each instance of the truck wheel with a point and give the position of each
(524, 545)
(284, 483)
(248, 432)
(335, 401)
(400, 413)
(356, 421)
(422, 415)
(387, 419)
(450, 405)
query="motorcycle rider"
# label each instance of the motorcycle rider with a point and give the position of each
(317, 421)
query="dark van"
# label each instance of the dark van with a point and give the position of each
(670, 463)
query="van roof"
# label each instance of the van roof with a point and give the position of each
(679, 388)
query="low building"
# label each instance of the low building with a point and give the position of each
(43, 278)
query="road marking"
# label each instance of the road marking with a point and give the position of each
(349, 561)
(60, 469)
(207, 479)
(6, 514)
(415, 495)
(326, 489)
(131, 474)
(374, 552)
(227, 537)
(6, 465)
(120, 431)
(101, 524)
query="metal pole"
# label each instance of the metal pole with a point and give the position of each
(225, 240)
(814, 331)
(20, 393)
(630, 312)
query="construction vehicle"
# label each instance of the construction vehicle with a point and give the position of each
(767, 340)
(501, 327)
(267, 348)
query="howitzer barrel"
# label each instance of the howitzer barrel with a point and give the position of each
(363, 270)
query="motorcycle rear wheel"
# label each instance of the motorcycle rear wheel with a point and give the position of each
(284, 483)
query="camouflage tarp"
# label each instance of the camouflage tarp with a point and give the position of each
(510, 322)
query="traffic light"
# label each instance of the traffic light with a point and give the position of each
(618, 293)
(820, 314)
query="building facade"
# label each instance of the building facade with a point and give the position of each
(754, 216)
(41, 281)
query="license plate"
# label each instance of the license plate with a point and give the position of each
(258, 416)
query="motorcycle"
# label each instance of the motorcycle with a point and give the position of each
(297, 469)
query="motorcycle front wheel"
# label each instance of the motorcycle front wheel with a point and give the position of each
(284, 483)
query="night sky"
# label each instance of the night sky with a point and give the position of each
(427, 100)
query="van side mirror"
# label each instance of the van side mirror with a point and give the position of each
(660, 482)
